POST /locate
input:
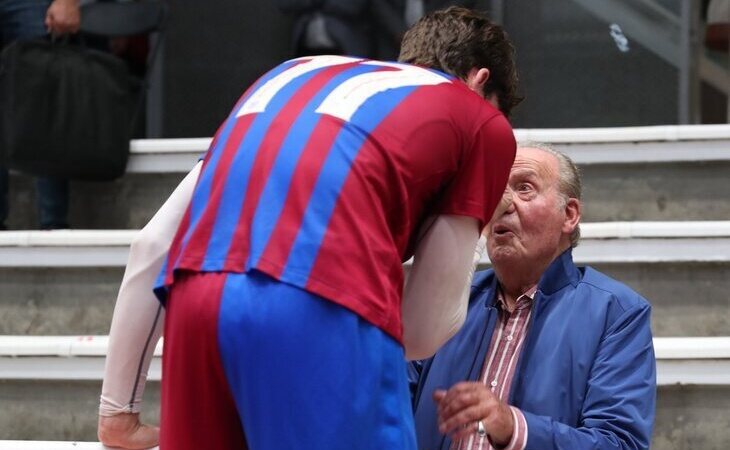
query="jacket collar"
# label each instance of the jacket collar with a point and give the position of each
(484, 281)
(560, 273)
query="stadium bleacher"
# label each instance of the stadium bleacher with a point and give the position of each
(657, 217)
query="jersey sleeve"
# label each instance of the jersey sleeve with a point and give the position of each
(483, 171)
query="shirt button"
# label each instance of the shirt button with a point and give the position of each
(509, 338)
(493, 383)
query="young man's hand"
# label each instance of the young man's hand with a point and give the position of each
(126, 431)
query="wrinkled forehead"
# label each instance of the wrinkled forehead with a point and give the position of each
(535, 162)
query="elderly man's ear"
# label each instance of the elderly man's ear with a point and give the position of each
(572, 215)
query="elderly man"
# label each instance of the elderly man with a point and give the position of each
(551, 356)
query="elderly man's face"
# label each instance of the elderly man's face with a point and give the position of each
(530, 231)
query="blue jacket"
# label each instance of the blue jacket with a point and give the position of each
(586, 376)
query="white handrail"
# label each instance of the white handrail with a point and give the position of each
(61, 346)
(592, 230)
(618, 145)
(589, 230)
(661, 133)
(602, 242)
(19, 346)
(66, 238)
(680, 360)
(54, 445)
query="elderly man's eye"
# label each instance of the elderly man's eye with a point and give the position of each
(524, 187)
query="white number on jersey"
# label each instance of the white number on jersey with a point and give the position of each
(346, 98)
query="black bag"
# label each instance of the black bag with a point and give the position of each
(65, 110)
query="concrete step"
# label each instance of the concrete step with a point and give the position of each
(58, 409)
(50, 387)
(690, 299)
(45, 398)
(65, 282)
(58, 300)
(687, 418)
(635, 173)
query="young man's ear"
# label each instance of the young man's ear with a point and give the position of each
(476, 79)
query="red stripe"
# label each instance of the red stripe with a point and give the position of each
(301, 187)
(266, 156)
(207, 417)
(198, 242)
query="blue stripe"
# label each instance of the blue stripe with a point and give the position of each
(331, 179)
(201, 195)
(236, 185)
(274, 194)
(159, 287)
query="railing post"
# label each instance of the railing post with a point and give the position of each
(689, 83)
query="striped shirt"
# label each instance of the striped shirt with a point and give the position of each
(499, 367)
(325, 169)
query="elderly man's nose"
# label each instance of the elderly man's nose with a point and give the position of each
(503, 206)
(509, 198)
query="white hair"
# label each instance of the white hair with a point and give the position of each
(569, 182)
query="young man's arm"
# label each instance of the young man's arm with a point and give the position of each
(433, 305)
(436, 293)
(137, 326)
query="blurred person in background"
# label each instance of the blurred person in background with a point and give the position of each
(391, 18)
(717, 31)
(367, 28)
(33, 19)
(329, 27)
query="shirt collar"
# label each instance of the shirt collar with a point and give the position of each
(523, 301)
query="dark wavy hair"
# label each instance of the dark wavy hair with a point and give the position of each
(456, 40)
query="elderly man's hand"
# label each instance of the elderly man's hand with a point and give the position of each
(63, 17)
(465, 404)
(126, 431)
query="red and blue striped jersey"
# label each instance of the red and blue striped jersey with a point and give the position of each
(324, 170)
